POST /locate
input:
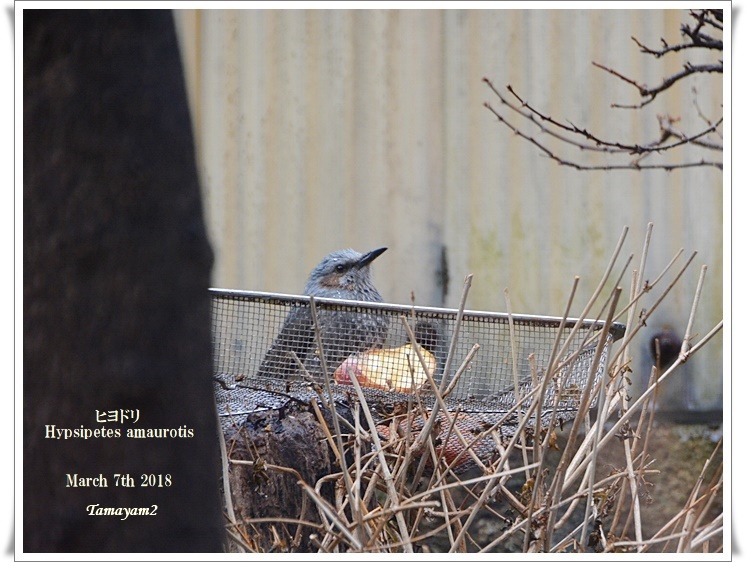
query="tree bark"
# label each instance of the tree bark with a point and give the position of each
(116, 313)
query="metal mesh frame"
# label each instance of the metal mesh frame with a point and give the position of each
(254, 369)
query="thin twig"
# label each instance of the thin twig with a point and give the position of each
(387, 477)
(226, 477)
(332, 514)
(651, 93)
(686, 343)
(335, 421)
(555, 490)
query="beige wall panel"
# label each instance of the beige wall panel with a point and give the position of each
(318, 130)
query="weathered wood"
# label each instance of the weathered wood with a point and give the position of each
(278, 442)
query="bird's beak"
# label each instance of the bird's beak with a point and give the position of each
(370, 256)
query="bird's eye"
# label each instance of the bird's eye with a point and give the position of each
(340, 267)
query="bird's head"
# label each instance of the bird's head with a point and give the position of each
(343, 270)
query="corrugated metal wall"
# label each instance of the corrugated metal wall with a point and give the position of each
(323, 129)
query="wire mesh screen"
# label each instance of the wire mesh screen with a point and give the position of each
(266, 351)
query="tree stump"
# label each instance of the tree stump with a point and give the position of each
(283, 445)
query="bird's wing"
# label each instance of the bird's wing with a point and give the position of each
(296, 335)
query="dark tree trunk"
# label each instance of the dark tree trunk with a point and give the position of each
(116, 263)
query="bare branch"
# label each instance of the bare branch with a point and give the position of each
(668, 130)
(581, 167)
(600, 145)
(657, 53)
(703, 20)
(670, 138)
(655, 146)
(667, 82)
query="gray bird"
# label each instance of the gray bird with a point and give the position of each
(344, 274)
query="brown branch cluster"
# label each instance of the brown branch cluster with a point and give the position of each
(395, 487)
(696, 36)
